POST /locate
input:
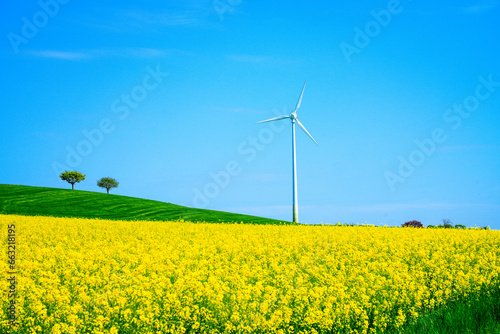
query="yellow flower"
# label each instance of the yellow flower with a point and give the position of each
(223, 278)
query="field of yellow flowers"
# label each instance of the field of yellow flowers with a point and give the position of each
(98, 276)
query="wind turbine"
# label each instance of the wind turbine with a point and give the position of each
(293, 117)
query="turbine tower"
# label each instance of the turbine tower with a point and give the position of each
(294, 119)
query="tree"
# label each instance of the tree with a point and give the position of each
(447, 223)
(72, 177)
(108, 183)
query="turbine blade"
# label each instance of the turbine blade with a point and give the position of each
(303, 128)
(300, 98)
(274, 119)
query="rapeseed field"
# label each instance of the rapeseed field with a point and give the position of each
(102, 276)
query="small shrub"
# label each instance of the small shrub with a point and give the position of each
(413, 223)
(460, 226)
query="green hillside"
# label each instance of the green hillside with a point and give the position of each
(25, 200)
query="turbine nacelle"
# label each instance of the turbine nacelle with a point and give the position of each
(293, 116)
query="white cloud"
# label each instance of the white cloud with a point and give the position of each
(479, 8)
(165, 18)
(467, 148)
(140, 52)
(253, 59)
(381, 208)
(61, 55)
(109, 52)
(236, 110)
(248, 58)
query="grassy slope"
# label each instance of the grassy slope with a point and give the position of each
(25, 200)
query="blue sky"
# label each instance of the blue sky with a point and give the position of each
(164, 96)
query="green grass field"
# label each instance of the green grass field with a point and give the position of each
(25, 200)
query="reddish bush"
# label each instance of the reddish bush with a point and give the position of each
(413, 223)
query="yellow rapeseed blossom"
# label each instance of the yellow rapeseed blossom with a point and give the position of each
(100, 276)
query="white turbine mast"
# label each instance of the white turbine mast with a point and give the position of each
(294, 119)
